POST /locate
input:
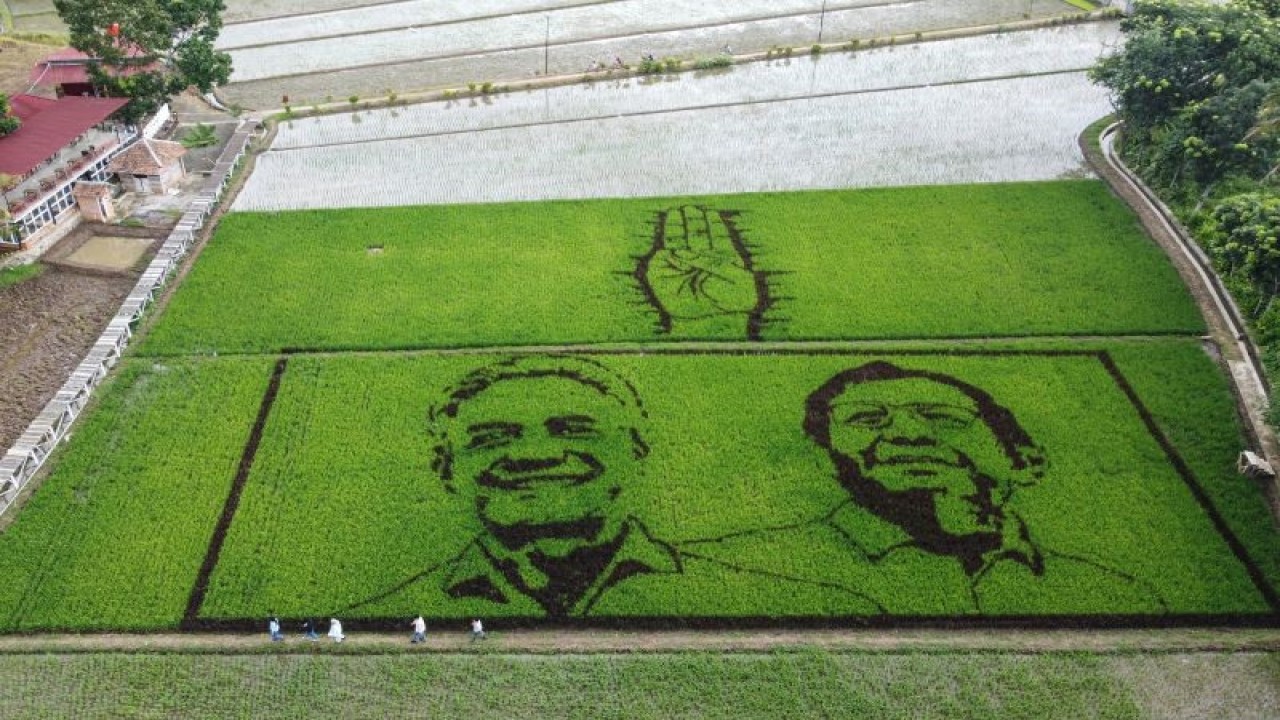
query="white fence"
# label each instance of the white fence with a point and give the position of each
(155, 124)
(26, 456)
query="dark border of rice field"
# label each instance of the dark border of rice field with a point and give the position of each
(192, 621)
(710, 345)
(1217, 306)
(196, 599)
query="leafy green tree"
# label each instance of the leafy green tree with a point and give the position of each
(1266, 7)
(1267, 127)
(1214, 138)
(8, 121)
(172, 40)
(1189, 85)
(1244, 239)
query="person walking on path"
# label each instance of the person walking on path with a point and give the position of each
(309, 630)
(273, 627)
(477, 630)
(335, 630)
(419, 630)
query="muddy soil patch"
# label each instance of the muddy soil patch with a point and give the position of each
(109, 253)
(51, 321)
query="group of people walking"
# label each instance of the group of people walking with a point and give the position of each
(418, 624)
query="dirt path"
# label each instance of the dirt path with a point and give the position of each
(616, 641)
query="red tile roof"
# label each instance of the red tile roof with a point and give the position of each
(70, 66)
(28, 106)
(149, 157)
(51, 129)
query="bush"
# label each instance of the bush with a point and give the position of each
(719, 61)
(199, 136)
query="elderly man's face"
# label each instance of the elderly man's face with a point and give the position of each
(540, 454)
(918, 434)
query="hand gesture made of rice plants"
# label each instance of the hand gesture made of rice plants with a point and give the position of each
(699, 267)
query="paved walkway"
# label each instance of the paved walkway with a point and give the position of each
(618, 641)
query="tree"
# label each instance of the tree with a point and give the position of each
(8, 121)
(1215, 138)
(148, 49)
(1245, 239)
(1266, 7)
(1267, 126)
(1189, 85)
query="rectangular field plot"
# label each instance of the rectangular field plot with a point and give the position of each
(982, 57)
(325, 42)
(725, 488)
(115, 537)
(1006, 130)
(1058, 258)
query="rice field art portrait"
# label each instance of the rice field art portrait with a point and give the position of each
(540, 448)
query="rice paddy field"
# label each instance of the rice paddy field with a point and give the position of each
(292, 439)
(417, 45)
(922, 115)
(837, 343)
(35, 16)
(983, 57)
(836, 264)
(706, 685)
(923, 136)
(434, 30)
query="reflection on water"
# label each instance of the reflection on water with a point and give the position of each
(602, 96)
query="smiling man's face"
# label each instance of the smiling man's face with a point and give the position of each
(543, 458)
(916, 434)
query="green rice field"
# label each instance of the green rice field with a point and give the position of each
(1057, 258)
(342, 502)
(388, 427)
(801, 684)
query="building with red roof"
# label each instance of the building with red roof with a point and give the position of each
(49, 126)
(59, 143)
(67, 71)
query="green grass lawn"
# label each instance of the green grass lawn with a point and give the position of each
(15, 275)
(1059, 258)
